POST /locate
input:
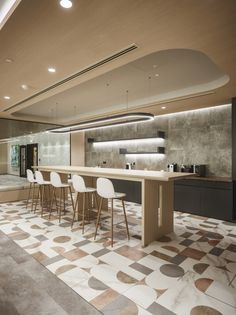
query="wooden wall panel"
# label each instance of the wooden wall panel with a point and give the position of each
(3, 158)
(77, 149)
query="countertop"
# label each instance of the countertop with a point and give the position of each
(116, 173)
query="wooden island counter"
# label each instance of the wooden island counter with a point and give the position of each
(157, 194)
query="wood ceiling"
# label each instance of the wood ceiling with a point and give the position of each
(40, 34)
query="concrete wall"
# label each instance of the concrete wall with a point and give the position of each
(195, 137)
(53, 149)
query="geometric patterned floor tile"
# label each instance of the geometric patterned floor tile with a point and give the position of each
(191, 271)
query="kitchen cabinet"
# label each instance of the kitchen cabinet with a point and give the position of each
(206, 198)
(131, 188)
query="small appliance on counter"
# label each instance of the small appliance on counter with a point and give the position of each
(172, 167)
(186, 168)
(199, 169)
(130, 166)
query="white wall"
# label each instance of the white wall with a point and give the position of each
(53, 149)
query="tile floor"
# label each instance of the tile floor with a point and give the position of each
(191, 271)
(11, 181)
(28, 288)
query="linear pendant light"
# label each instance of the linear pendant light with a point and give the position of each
(110, 121)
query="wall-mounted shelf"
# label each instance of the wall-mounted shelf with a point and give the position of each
(160, 150)
(160, 135)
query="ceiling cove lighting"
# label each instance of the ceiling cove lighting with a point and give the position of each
(7, 7)
(7, 140)
(199, 110)
(106, 122)
(66, 4)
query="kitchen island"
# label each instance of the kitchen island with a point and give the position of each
(157, 194)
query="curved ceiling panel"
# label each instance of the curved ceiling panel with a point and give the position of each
(155, 78)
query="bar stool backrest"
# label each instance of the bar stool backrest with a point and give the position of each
(78, 184)
(105, 188)
(39, 177)
(30, 176)
(55, 179)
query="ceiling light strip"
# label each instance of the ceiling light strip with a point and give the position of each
(105, 122)
(78, 74)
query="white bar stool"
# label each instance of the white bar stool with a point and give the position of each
(41, 192)
(57, 184)
(32, 181)
(105, 190)
(80, 188)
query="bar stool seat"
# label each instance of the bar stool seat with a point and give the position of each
(119, 195)
(80, 188)
(41, 192)
(105, 190)
(32, 181)
(56, 183)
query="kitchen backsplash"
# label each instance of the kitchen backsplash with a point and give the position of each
(195, 137)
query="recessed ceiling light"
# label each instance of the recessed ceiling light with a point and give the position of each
(163, 107)
(6, 97)
(24, 86)
(52, 70)
(9, 60)
(66, 4)
(156, 75)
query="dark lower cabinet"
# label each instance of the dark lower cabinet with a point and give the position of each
(132, 189)
(206, 198)
(187, 199)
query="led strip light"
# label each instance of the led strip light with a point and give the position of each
(110, 121)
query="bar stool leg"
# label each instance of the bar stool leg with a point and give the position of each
(48, 197)
(37, 200)
(96, 199)
(71, 197)
(126, 222)
(74, 208)
(89, 206)
(53, 198)
(84, 199)
(28, 195)
(95, 204)
(64, 199)
(111, 222)
(98, 218)
(60, 205)
(78, 208)
(76, 200)
(32, 203)
(43, 201)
